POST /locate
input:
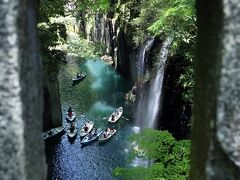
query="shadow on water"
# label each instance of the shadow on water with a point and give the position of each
(93, 99)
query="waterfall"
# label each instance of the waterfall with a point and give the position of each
(149, 103)
(141, 68)
(141, 58)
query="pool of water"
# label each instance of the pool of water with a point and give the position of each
(94, 98)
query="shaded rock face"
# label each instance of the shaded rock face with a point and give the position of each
(107, 31)
(216, 125)
(22, 148)
(123, 61)
(52, 114)
(175, 114)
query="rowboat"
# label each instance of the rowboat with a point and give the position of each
(78, 78)
(106, 135)
(92, 136)
(116, 115)
(72, 117)
(72, 130)
(52, 132)
(87, 128)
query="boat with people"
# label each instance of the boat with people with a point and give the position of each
(72, 130)
(115, 116)
(52, 132)
(71, 115)
(87, 128)
(92, 136)
(106, 135)
(80, 76)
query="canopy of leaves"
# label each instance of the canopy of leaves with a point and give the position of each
(171, 158)
(92, 6)
(51, 31)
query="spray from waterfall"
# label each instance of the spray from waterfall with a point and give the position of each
(149, 104)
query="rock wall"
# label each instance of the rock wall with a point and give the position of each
(175, 114)
(52, 114)
(215, 138)
(106, 30)
(22, 148)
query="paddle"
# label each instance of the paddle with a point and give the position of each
(125, 118)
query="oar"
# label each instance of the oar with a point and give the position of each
(105, 117)
(125, 118)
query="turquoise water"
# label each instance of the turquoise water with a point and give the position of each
(94, 98)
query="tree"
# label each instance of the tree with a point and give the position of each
(170, 157)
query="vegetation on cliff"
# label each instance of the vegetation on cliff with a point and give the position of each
(171, 158)
(175, 18)
(51, 30)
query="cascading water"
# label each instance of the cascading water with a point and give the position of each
(141, 68)
(149, 102)
(141, 58)
(148, 106)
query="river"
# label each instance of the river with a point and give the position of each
(93, 99)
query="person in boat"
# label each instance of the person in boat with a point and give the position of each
(79, 75)
(113, 117)
(106, 133)
(70, 111)
(86, 126)
(111, 130)
(72, 127)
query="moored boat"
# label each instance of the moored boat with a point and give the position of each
(115, 116)
(52, 132)
(106, 135)
(79, 77)
(72, 130)
(87, 128)
(92, 136)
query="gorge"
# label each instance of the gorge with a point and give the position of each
(144, 49)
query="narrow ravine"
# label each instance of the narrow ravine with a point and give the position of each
(94, 98)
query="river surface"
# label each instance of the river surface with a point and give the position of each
(94, 98)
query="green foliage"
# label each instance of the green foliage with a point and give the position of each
(92, 6)
(51, 29)
(187, 82)
(171, 157)
(169, 17)
(176, 17)
(82, 48)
